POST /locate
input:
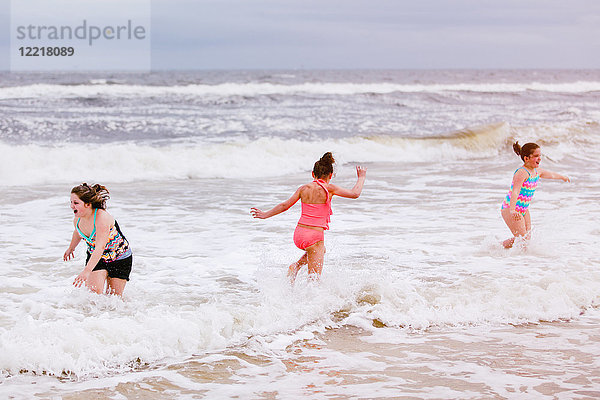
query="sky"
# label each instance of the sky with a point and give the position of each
(366, 34)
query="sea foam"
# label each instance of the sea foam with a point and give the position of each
(257, 89)
(125, 162)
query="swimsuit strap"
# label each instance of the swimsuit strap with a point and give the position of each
(87, 238)
(321, 183)
(526, 170)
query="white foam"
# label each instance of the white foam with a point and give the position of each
(126, 162)
(420, 248)
(264, 157)
(100, 88)
(207, 276)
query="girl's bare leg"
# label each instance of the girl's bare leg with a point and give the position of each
(517, 226)
(527, 225)
(316, 254)
(96, 281)
(116, 286)
(294, 268)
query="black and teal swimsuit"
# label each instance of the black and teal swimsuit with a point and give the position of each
(116, 258)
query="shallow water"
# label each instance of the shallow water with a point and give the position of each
(417, 297)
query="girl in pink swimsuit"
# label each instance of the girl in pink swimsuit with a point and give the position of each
(316, 209)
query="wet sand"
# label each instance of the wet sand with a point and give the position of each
(549, 360)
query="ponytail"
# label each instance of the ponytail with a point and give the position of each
(517, 148)
(525, 151)
(324, 167)
(95, 195)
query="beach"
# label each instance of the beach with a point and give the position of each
(547, 359)
(418, 299)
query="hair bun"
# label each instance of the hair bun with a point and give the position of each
(324, 166)
(327, 158)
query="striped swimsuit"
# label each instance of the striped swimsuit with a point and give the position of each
(525, 194)
(117, 247)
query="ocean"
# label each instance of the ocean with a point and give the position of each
(417, 300)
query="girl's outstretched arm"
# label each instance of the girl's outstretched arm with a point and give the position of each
(553, 175)
(278, 209)
(361, 174)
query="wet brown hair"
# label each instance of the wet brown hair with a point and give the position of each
(324, 166)
(95, 195)
(525, 151)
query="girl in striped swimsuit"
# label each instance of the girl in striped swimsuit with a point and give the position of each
(316, 209)
(515, 207)
(109, 257)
